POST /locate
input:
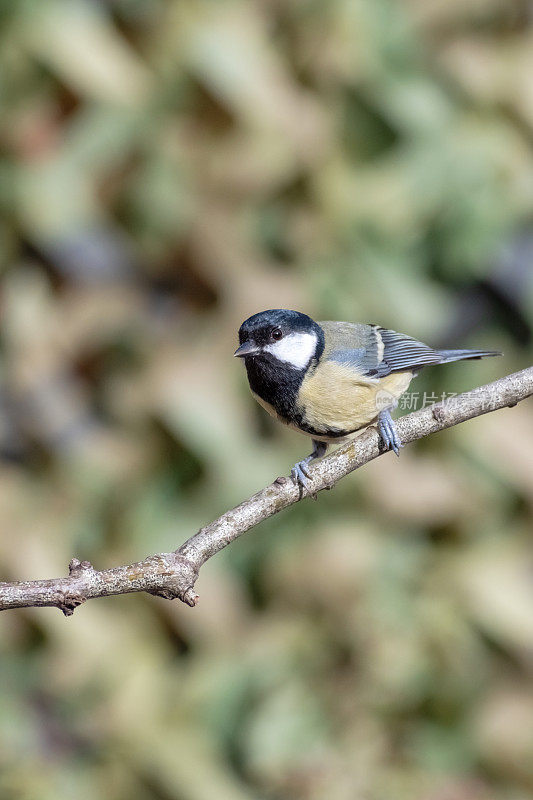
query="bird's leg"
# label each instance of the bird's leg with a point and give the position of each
(299, 472)
(387, 431)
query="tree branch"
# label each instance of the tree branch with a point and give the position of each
(173, 575)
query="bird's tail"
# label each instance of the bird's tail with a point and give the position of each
(462, 355)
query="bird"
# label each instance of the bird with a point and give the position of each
(329, 380)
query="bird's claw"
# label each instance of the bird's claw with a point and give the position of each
(388, 433)
(300, 475)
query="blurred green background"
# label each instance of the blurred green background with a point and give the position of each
(168, 169)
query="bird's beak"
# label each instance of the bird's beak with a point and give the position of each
(246, 349)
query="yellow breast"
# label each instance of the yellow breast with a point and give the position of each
(335, 398)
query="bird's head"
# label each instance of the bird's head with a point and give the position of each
(281, 335)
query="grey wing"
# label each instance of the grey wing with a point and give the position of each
(381, 351)
(401, 352)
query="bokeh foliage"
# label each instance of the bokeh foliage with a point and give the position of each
(167, 169)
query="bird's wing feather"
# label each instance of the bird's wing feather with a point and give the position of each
(401, 352)
(374, 351)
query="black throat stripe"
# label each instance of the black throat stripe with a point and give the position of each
(275, 382)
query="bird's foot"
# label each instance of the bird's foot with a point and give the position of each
(300, 474)
(388, 433)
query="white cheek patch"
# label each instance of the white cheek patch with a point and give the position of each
(296, 349)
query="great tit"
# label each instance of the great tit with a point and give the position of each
(330, 379)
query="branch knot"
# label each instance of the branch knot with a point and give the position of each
(438, 413)
(176, 579)
(75, 566)
(68, 601)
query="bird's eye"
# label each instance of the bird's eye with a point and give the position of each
(277, 334)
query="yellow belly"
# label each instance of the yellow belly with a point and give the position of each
(333, 398)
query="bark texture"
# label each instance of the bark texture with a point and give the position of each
(173, 575)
